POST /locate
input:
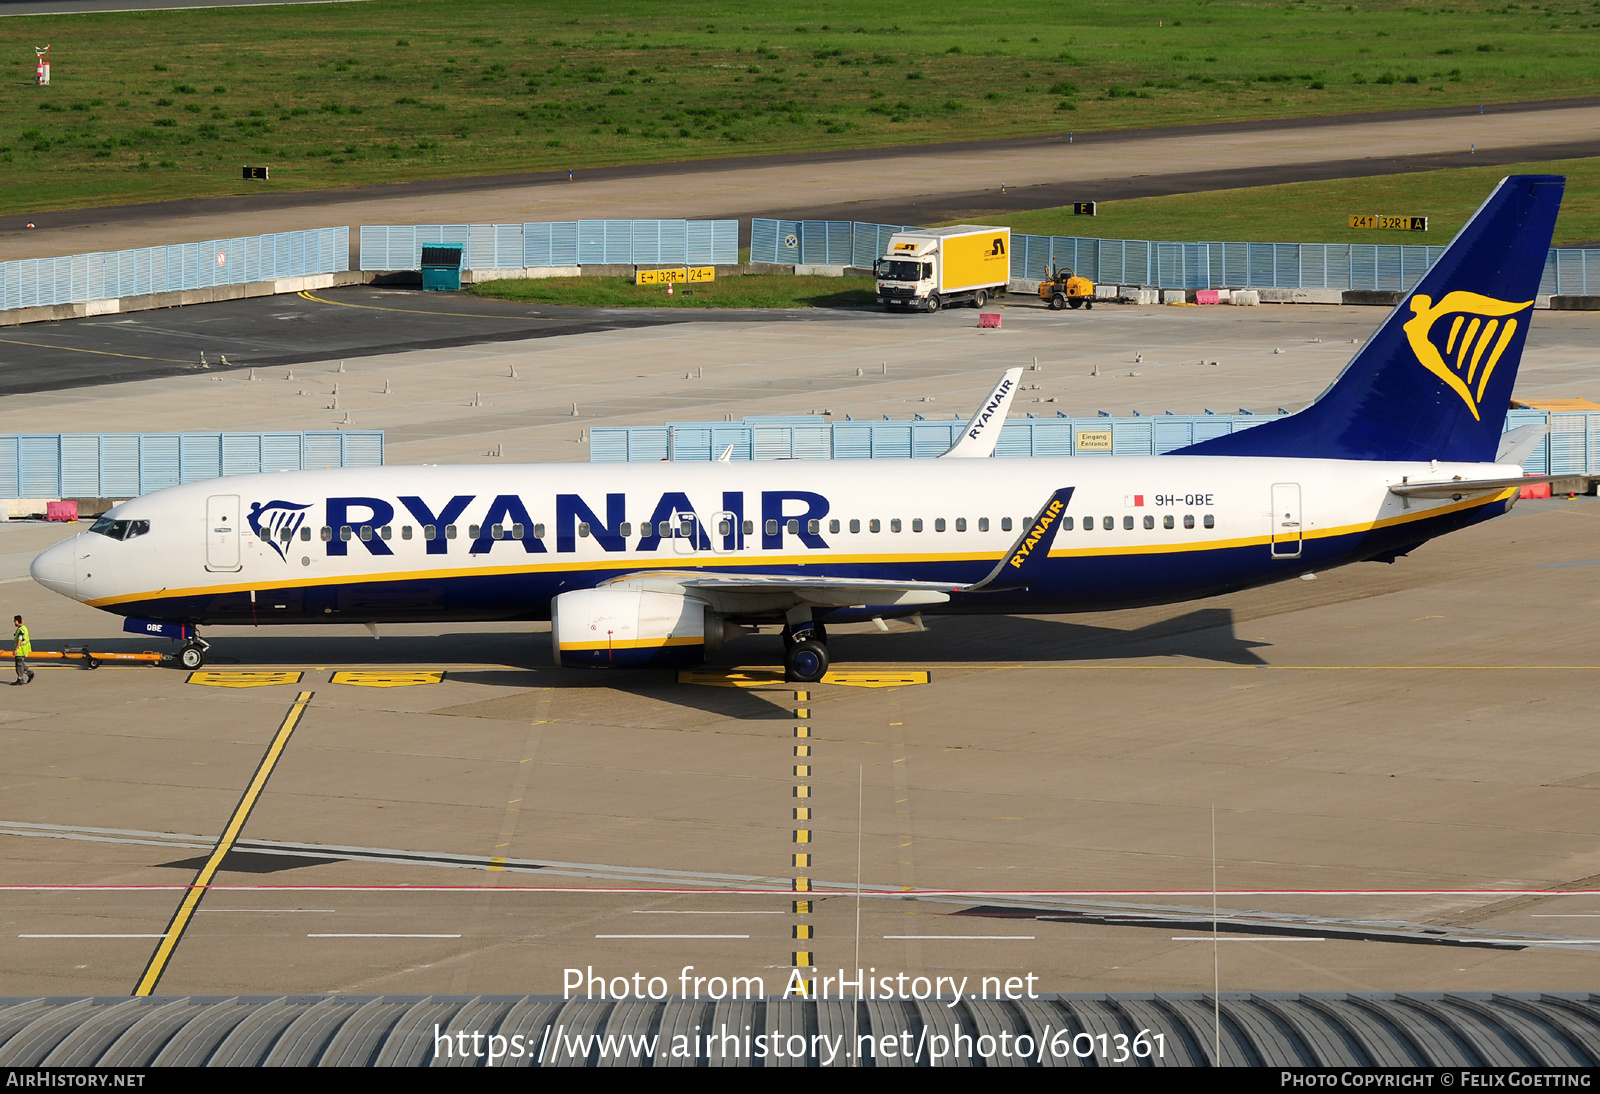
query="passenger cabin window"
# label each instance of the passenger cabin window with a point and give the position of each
(749, 527)
(894, 524)
(833, 527)
(538, 531)
(772, 528)
(583, 529)
(430, 532)
(938, 524)
(345, 533)
(815, 526)
(327, 533)
(473, 530)
(517, 531)
(793, 528)
(1127, 523)
(1211, 521)
(1188, 520)
(305, 535)
(875, 524)
(961, 524)
(725, 528)
(1005, 524)
(1109, 523)
(855, 528)
(1066, 524)
(983, 524)
(1166, 521)
(1149, 522)
(916, 524)
(1088, 524)
(449, 531)
(405, 531)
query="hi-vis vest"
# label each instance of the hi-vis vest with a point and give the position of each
(24, 641)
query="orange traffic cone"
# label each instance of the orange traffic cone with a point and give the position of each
(669, 288)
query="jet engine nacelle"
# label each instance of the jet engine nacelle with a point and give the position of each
(622, 627)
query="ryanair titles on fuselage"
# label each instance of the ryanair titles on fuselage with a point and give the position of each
(780, 512)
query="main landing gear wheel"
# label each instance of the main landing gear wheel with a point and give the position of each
(806, 662)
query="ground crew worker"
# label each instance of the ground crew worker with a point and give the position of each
(21, 647)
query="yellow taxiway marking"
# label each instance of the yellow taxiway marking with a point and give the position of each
(306, 294)
(230, 835)
(761, 678)
(388, 679)
(96, 352)
(243, 679)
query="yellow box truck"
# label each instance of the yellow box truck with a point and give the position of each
(930, 268)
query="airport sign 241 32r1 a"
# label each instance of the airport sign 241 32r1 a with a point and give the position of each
(690, 275)
(1398, 224)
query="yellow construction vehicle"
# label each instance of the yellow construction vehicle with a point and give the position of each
(1066, 290)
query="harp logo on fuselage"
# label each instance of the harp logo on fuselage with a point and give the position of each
(1462, 338)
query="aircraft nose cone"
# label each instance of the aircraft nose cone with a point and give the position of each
(57, 569)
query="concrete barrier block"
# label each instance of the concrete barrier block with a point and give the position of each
(1027, 285)
(1301, 296)
(102, 307)
(616, 269)
(1244, 298)
(819, 271)
(1174, 296)
(1573, 303)
(1104, 292)
(538, 272)
(1383, 298)
(22, 508)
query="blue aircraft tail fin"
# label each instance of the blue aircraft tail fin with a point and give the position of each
(1435, 382)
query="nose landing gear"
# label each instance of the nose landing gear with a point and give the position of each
(193, 653)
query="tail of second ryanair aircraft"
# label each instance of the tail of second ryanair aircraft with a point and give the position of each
(1435, 382)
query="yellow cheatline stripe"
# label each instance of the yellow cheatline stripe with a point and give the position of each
(1302, 668)
(635, 643)
(96, 352)
(715, 562)
(307, 294)
(230, 835)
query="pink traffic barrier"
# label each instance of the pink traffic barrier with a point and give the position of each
(1538, 490)
(60, 510)
(1206, 296)
(989, 319)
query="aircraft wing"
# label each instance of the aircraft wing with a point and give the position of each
(1459, 487)
(833, 591)
(747, 593)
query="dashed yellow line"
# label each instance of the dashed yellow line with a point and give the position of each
(801, 860)
(230, 835)
(96, 352)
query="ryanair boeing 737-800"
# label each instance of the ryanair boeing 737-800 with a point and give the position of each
(657, 564)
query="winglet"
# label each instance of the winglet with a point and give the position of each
(1022, 564)
(983, 431)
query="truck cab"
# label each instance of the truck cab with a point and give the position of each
(927, 269)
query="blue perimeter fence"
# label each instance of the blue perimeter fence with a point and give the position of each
(125, 465)
(1341, 266)
(1572, 446)
(556, 243)
(107, 275)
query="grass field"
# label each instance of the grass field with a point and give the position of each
(153, 105)
(756, 291)
(1315, 212)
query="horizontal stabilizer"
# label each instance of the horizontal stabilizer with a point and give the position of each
(1458, 488)
(977, 441)
(1516, 445)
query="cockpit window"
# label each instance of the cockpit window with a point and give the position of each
(120, 529)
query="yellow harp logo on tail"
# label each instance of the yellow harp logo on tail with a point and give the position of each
(1463, 351)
